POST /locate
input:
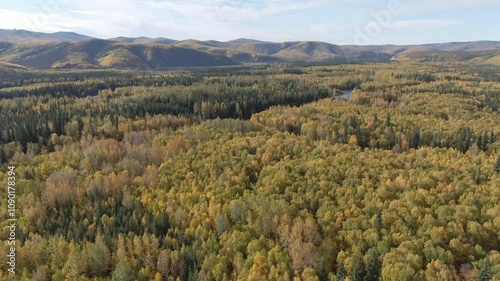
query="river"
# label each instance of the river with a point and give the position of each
(346, 95)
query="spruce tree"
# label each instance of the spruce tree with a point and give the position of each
(496, 167)
(388, 122)
(372, 266)
(484, 271)
(378, 221)
(341, 272)
(359, 273)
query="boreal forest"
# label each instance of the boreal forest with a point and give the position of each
(375, 171)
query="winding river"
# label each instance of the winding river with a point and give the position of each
(346, 95)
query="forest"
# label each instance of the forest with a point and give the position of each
(259, 172)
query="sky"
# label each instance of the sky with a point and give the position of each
(345, 22)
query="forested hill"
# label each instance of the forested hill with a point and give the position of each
(477, 57)
(66, 50)
(96, 53)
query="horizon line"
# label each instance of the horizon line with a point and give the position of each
(244, 38)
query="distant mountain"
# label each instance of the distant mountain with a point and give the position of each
(466, 46)
(19, 35)
(105, 54)
(477, 57)
(437, 47)
(246, 41)
(145, 40)
(245, 51)
(72, 50)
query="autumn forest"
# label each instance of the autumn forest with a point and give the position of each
(380, 171)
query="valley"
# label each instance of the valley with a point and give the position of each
(251, 172)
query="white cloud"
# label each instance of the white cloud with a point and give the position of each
(234, 11)
(39, 21)
(229, 19)
(89, 12)
(415, 6)
(200, 19)
(424, 23)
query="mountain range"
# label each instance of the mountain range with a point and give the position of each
(67, 50)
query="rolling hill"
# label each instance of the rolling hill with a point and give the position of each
(19, 35)
(145, 40)
(66, 50)
(105, 54)
(8, 69)
(246, 50)
(437, 47)
(477, 57)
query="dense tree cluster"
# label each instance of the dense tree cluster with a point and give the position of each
(35, 117)
(90, 86)
(246, 176)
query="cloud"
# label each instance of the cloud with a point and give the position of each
(89, 12)
(416, 6)
(200, 19)
(271, 20)
(39, 21)
(424, 23)
(234, 11)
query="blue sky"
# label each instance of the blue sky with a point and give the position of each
(335, 21)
